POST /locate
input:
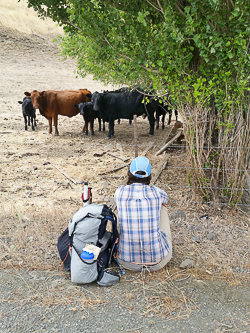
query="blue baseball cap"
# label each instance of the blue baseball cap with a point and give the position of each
(140, 163)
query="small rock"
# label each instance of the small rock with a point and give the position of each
(177, 214)
(191, 227)
(196, 239)
(187, 263)
(211, 236)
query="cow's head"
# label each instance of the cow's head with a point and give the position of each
(80, 107)
(96, 97)
(35, 97)
(85, 108)
(25, 99)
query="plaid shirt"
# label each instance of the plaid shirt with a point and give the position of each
(141, 239)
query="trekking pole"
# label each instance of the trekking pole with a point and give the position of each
(122, 271)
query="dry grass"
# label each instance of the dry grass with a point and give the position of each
(29, 241)
(17, 16)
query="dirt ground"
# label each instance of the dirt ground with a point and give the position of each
(41, 174)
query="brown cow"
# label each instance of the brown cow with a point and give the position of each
(51, 103)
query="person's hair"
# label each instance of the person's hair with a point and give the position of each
(133, 179)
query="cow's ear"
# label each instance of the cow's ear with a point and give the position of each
(20, 102)
(42, 93)
(89, 95)
(76, 106)
(27, 93)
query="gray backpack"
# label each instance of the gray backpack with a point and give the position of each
(88, 226)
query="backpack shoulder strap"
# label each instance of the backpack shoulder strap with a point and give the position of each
(108, 215)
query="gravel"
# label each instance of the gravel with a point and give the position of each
(38, 301)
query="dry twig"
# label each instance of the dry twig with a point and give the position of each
(161, 169)
(178, 134)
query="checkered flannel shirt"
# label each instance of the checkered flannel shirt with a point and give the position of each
(141, 239)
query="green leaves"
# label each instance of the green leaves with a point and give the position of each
(141, 18)
(132, 42)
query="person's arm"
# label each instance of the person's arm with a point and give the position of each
(164, 197)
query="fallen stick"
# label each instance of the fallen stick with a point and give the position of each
(178, 134)
(177, 126)
(114, 169)
(103, 151)
(120, 157)
(161, 169)
(127, 164)
(69, 178)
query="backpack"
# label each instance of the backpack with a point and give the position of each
(88, 226)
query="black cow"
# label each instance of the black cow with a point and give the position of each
(89, 115)
(120, 90)
(28, 112)
(123, 105)
(162, 109)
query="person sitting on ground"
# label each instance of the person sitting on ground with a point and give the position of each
(145, 238)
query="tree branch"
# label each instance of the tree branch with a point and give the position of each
(159, 9)
(73, 25)
(159, 4)
(180, 10)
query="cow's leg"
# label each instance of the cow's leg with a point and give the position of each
(100, 124)
(111, 129)
(130, 121)
(92, 127)
(32, 124)
(35, 118)
(86, 125)
(25, 122)
(119, 121)
(151, 120)
(109, 133)
(163, 120)
(55, 118)
(28, 120)
(103, 126)
(50, 125)
(170, 116)
(176, 115)
(157, 120)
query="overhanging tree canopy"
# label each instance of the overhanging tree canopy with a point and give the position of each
(194, 49)
(180, 45)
